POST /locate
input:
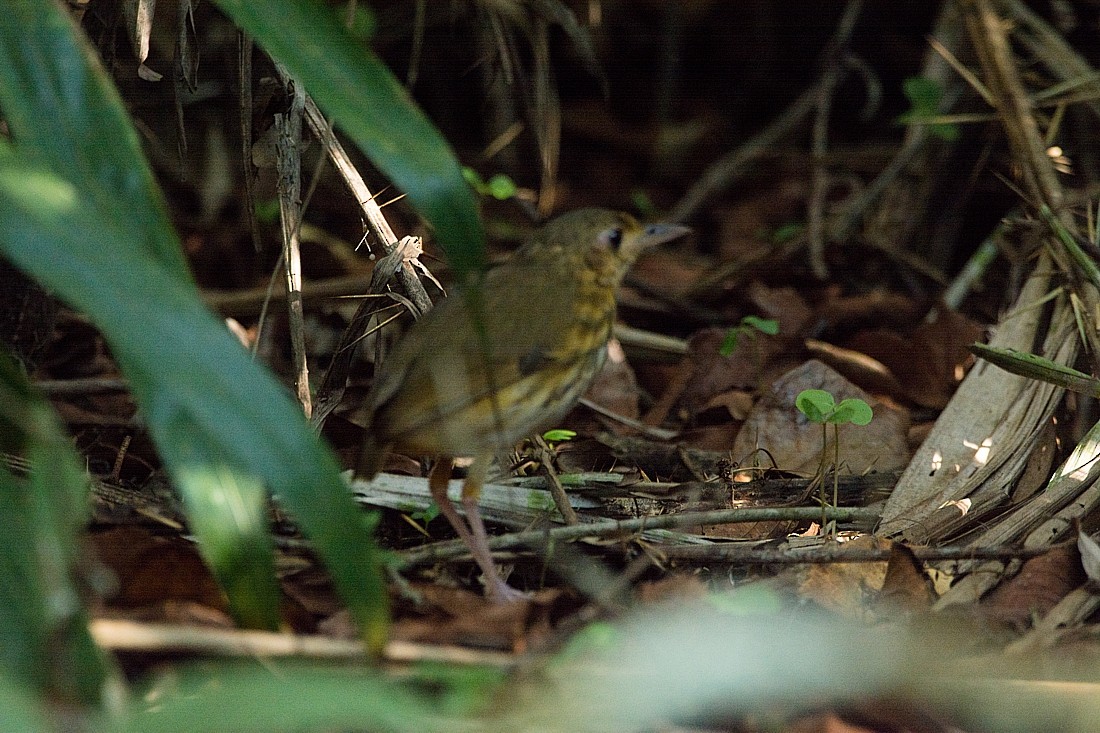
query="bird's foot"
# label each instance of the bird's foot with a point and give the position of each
(500, 592)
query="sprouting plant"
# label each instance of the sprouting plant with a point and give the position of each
(558, 435)
(500, 186)
(644, 205)
(924, 97)
(747, 328)
(821, 407)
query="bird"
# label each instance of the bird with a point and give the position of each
(488, 367)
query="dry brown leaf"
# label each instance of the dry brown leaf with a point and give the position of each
(751, 530)
(928, 363)
(1040, 465)
(153, 571)
(615, 386)
(907, 588)
(454, 616)
(784, 305)
(710, 437)
(673, 587)
(737, 402)
(845, 588)
(1037, 588)
(714, 374)
(1090, 556)
(795, 443)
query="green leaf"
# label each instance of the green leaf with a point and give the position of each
(924, 97)
(19, 712)
(787, 233)
(558, 435)
(363, 24)
(290, 698)
(91, 226)
(815, 404)
(501, 187)
(365, 100)
(473, 178)
(924, 94)
(852, 410)
(768, 326)
(729, 342)
(66, 115)
(644, 205)
(267, 211)
(43, 623)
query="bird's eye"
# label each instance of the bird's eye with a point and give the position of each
(612, 237)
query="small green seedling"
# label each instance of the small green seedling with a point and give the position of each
(643, 204)
(423, 517)
(924, 97)
(786, 233)
(267, 210)
(748, 328)
(558, 435)
(500, 186)
(821, 407)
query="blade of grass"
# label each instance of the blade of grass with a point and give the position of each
(82, 226)
(43, 623)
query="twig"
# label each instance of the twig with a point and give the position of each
(819, 181)
(990, 38)
(734, 165)
(89, 385)
(561, 499)
(636, 337)
(456, 548)
(130, 636)
(333, 382)
(834, 553)
(244, 84)
(288, 163)
(406, 277)
(649, 431)
(241, 303)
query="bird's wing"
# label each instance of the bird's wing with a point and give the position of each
(432, 375)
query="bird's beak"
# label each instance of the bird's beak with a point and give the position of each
(654, 234)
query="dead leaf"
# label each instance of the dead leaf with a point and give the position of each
(714, 374)
(454, 616)
(845, 588)
(673, 587)
(796, 443)
(907, 588)
(1037, 588)
(615, 389)
(153, 571)
(737, 402)
(785, 305)
(929, 362)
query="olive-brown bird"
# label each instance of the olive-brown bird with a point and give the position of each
(545, 316)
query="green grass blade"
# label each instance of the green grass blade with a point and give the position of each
(217, 418)
(291, 697)
(66, 114)
(45, 645)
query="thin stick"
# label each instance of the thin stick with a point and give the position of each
(288, 162)
(452, 549)
(834, 553)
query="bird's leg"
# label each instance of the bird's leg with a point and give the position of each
(437, 485)
(470, 530)
(499, 591)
